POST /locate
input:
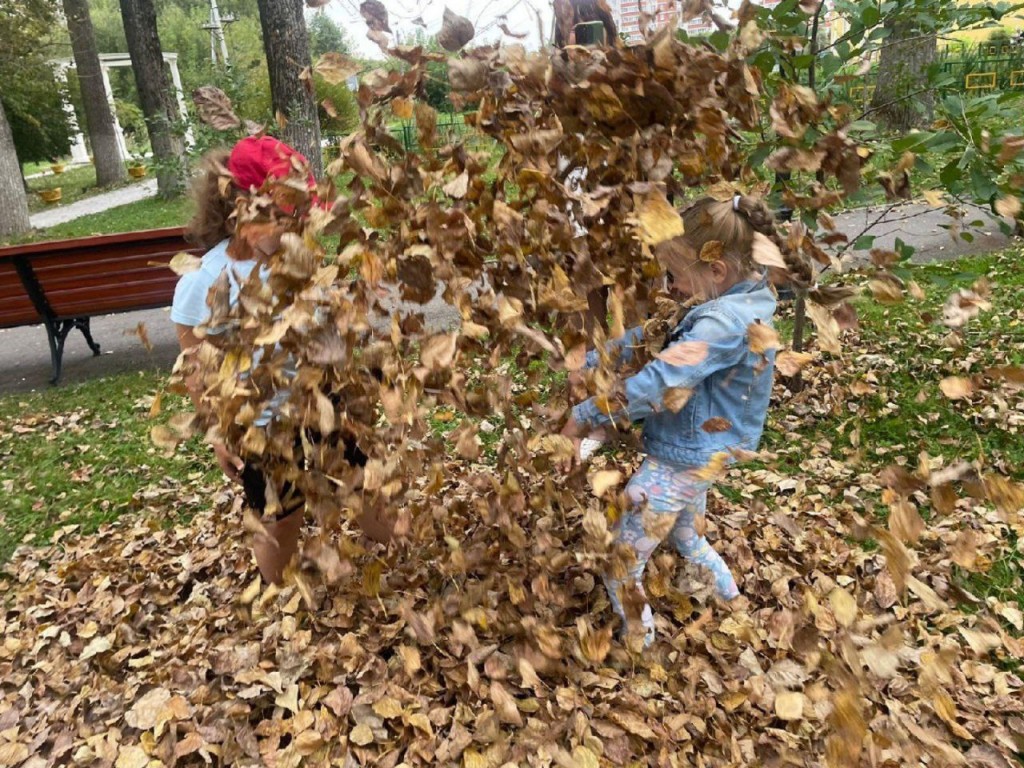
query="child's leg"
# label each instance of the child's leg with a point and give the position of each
(275, 549)
(649, 489)
(693, 495)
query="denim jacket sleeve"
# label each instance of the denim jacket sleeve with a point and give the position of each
(623, 346)
(645, 391)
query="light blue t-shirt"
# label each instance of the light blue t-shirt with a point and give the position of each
(189, 306)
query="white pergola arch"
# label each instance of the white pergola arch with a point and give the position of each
(79, 153)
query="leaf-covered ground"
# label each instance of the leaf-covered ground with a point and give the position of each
(152, 642)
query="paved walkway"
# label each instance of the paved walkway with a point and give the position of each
(95, 204)
(25, 357)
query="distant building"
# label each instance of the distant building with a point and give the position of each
(627, 17)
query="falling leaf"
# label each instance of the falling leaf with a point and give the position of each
(790, 363)
(457, 187)
(1008, 206)
(711, 251)
(375, 14)
(455, 31)
(844, 607)
(657, 220)
(685, 353)
(789, 705)
(676, 398)
(934, 197)
(183, 263)
(336, 68)
(604, 480)
(762, 338)
(215, 110)
(766, 253)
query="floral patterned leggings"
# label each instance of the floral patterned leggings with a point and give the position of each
(672, 499)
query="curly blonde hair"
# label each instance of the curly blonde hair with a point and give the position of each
(214, 195)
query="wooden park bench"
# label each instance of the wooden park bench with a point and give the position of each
(61, 284)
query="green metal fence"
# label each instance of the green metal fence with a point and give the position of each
(450, 129)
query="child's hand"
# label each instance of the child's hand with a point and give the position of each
(230, 464)
(574, 431)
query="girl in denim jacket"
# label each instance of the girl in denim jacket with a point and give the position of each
(708, 358)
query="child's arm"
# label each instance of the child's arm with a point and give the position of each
(622, 346)
(712, 344)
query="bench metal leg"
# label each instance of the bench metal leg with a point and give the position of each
(57, 333)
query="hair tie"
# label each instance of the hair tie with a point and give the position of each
(736, 202)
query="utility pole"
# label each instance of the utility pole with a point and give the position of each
(216, 26)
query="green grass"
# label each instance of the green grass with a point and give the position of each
(75, 184)
(894, 409)
(151, 213)
(81, 455)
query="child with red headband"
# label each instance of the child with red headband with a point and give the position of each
(232, 250)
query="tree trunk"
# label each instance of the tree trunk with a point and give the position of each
(155, 94)
(13, 202)
(99, 120)
(287, 46)
(902, 98)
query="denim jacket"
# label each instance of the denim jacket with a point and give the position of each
(731, 383)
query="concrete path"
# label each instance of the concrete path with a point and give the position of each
(925, 228)
(25, 357)
(95, 204)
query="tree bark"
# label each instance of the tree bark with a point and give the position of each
(13, 202)
(155, 93)
(99, 119)
(286, 43)
(902, 98)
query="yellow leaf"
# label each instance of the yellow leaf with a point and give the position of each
(934, 197)
(1008, 206)
(421, 722)
(956, 387)
(410, 659)
(789, 705)
(711, 251)
(402, 108)
(602, 481)
(361, 735)
(388, 707)
(183, 263)
(583, 758)
(762, 338)
(790, 363)
(657, 220)
(885, 292)
(676, 398)
(826, 325)
(844, 607)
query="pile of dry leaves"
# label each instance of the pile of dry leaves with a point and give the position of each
(481, 635)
